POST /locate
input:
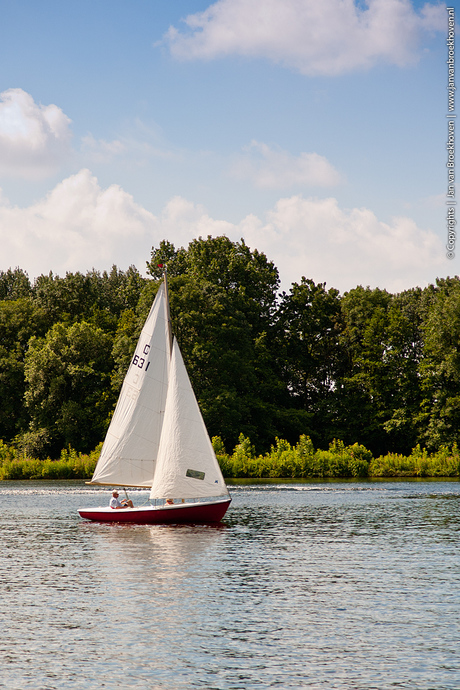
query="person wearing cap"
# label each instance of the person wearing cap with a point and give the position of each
(116, 503)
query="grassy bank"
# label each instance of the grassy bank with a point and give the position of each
(70, 465)
(284, 461)
(339, 461)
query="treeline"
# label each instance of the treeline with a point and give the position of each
(366, 367)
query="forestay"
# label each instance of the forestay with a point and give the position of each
(130, 449)
(187, 466)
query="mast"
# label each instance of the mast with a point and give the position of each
(168, 312)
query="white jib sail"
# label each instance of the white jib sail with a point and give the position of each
(187, 466)
(130, 448)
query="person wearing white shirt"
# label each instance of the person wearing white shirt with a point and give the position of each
(116, 503)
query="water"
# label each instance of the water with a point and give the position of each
(305, 585)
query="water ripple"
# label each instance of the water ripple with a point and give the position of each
(325, 586)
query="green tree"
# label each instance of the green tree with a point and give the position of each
(116, 291)
(403, 356)
(14, 284)
(311, 358)
(362, 407)
(97, 298)
(64, 300)
(68, 392)
(19, 320)
(223, 300)
(380, 395)
(439, 417)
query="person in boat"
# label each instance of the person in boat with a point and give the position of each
(116, 503)
(169, 502)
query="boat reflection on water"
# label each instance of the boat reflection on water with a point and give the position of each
(155, 552)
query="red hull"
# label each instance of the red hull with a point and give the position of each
(191, 512)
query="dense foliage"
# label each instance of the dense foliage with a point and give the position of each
(282, 461)
(366, 367)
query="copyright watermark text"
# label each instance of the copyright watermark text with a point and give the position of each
(451, 201)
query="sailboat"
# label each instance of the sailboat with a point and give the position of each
(157, 438)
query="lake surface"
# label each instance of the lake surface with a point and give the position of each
(305, 585)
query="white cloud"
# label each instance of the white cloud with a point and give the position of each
(102, 151)
(134, 148)
(317, 239)
(314, 38)
(181, 221)
(76, 227)
(79, 226)
(269, 168)
(34, 139)
(346, 247)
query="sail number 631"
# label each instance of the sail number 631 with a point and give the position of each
(140, 361)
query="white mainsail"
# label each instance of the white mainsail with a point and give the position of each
(130, 448)
(186, 466)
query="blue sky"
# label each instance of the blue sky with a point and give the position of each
(316, 131)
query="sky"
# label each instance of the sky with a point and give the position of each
(315, 131)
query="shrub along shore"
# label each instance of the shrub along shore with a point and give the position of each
(284, 461)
